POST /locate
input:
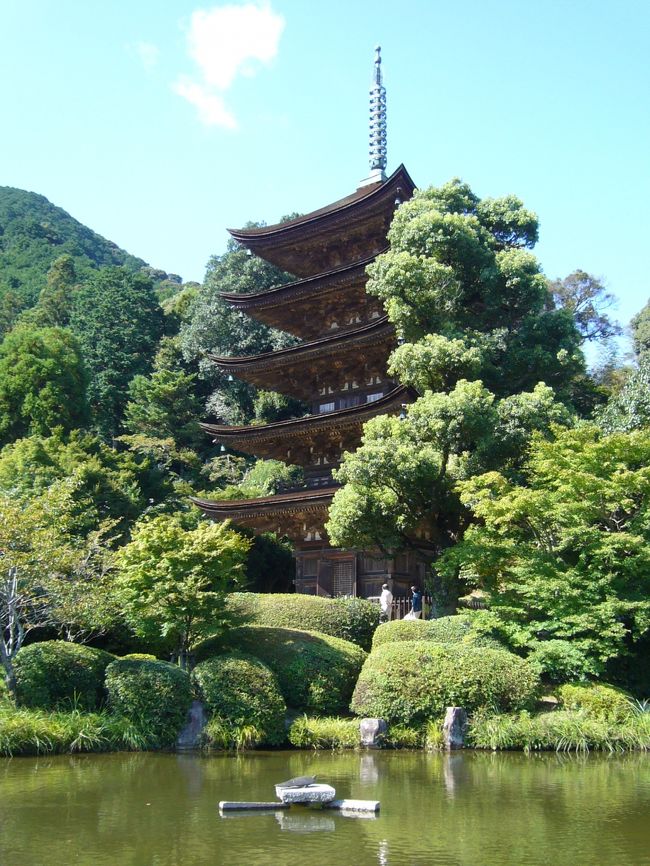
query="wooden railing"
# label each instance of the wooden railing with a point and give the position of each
(401, 606)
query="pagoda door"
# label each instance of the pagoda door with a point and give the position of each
(344, 576)
(324, 577)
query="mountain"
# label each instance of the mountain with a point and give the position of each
(33, 233)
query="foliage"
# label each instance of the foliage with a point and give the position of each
(35, 233)
(566, 556)
(316, 672)
(118, 322)
(641, 332)
(271, 566)
(587, 299)
(240, 691)
(559, 661)
(155, 695)
(173, 578)
(36, 732)
(598, 700)
(411, 682)
(630, 408)
(324, 733)
(560, 731)
(56, 674)
(444, 630)
(269, 406)
(351, 619)
(42, 383)
(164, 405)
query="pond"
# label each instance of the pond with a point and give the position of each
(463, 809)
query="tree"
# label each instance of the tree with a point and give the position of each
(174, 575)
(564, 555)
(42, 383)
(118, 322)
(630, 408)
(587, 299)
(163, 405)
(641, 331)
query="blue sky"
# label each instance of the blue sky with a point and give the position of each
(160, 124)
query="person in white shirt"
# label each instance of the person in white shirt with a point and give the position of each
(386, 603)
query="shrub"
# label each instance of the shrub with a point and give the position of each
(325, 733)
(559, 661)
(155, 695)
(446, 629)
(55, 673)
(315, 672)
(412, 682)
(597, 700)
(241, 692)
(353, 619)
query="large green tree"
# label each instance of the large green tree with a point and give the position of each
(565, 553)
(118, 321)
(42, 383)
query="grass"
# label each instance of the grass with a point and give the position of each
(560, 731)
(227, 736)
(328, 732)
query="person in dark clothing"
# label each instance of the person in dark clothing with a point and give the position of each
(416, 603)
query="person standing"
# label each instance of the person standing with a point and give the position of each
(416, 603)
(386, 604)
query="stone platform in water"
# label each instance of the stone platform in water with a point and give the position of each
(307, 794)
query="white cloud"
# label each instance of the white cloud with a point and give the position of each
(148, 54)
(224, 42)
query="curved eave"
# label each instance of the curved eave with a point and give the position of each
(297, 354)
(281, 503)
(290, 292)
(357, 201)
(241, 438)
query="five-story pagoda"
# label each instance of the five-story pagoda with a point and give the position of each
(339, 369)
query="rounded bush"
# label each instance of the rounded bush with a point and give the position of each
(559, 661)
(240, 691)
(58, 674)
(315, 672)
(155, 695)
(446, 629)
(599, 700)
(353, 619)
(414, 681)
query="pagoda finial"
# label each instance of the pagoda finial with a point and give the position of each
(377, 120)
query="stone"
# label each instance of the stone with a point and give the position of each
(372, 732)
(308, 794)
(197, 719)
(454, 728)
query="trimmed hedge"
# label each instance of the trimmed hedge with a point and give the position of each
(57, 674)
(316, 672)
(597, 700)
(155, 695)
(353, 619)
(414, 681)
(240, 691)
(446, 629)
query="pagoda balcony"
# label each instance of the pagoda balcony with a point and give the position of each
(308, 308)
(334, 236)
(328, 362)
(301, 441)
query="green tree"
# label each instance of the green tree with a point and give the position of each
(565, 554)
(174, 576)
(587, 299)
(42, 383)
(118, 322)
(630, 408)
(163, 405)
(55, 299)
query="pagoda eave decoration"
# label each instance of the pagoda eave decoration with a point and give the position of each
(346, 230)
(296, 441)
(345, 355)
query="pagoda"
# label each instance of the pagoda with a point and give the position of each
(339, 370)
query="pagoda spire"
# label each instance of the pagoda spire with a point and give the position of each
(377, 137)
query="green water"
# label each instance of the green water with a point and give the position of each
(469, 809)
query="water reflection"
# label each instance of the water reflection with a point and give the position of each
(305, 821)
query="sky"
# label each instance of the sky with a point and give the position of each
(160, 124)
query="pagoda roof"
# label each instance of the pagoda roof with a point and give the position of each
(293, 441)
(297, 370)
(334, 235)
(287, 513)
(298, 307)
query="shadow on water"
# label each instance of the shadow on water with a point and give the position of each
(461, 809)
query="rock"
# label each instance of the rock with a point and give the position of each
(308, 794)
(454, 728)
(197, 719)
(372, 732)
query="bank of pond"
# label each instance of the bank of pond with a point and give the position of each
(270, 684)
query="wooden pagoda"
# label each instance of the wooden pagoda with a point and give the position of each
(339, 369)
